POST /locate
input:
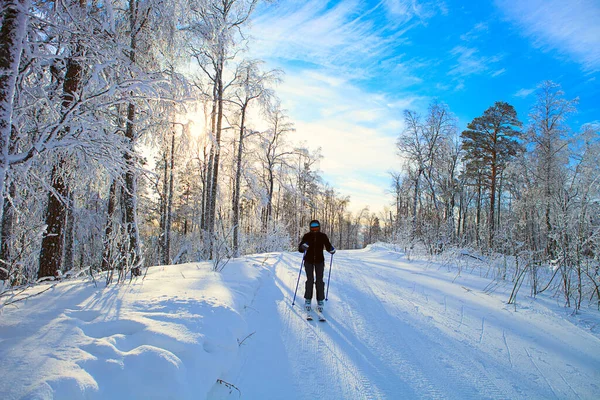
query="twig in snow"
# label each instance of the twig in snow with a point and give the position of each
(229, 386)
(91, 270)
(28, 297)
(244, 339)
(7, 292)
(456, 277)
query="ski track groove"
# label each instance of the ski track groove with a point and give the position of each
(482, 330)
(569, 385)
(324, 372)
(387, 337)
(507, 348)
(541, 373)
(465, 367)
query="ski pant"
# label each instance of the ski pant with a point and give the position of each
(312, 270)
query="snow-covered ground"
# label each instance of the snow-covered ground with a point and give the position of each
(396, 329)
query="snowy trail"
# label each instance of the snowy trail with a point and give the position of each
(396, 330)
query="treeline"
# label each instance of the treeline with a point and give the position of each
(527, 190)
(100, 169)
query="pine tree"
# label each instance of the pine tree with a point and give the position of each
(490, 142)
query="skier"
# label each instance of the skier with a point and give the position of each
(312, 244)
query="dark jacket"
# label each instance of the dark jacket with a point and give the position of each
(316, 241)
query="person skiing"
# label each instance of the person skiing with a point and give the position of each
(312, 245)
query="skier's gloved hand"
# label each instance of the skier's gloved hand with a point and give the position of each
(332, 250)
(304, 246)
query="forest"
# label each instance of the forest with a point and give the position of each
(103, 169)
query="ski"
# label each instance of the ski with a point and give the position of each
(321, 316)
(309, 316)
(320, 311)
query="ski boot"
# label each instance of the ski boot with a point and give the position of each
(308, 309)
(307, 305)
(320, 305)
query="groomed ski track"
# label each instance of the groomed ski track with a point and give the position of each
(396, 330)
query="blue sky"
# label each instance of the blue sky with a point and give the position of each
(352, 67)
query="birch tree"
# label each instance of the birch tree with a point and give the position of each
(273, 153)
(214, 27)
(549, 134)
(252, 85)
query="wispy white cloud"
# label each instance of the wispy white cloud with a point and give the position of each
(422, 9)
(524, 92)
(571, 28)
(353, 37)
(459, 86)
(499, 72)
(311, 32)
(469, 61)
(328, 54)
(476, 32)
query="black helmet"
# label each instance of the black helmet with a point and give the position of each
(315, 225)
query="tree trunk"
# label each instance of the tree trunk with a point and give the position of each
(478, 220)
(163, 210)
(415, 202)
(217, 155)
(51, 254)
(69, 233)
(108, 229)
(130, 192)
(460, 214)
(12, 35)
(8, 219)
(207, 192)
(56, 213)
(492, 219)
(269, 197)
(236, 189)
(169, 215)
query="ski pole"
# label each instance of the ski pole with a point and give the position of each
(298, 282)
(328, 279)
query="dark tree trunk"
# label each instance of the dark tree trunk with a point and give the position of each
(207, 192)
(236, 189)
(163, 210)
(169, 210)
(56, 213)
(51, 255)
(214, 185)
(478, 221)
(129, 194)
(69, 234)
(492, 219)
(108, 229)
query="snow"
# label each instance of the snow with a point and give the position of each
(397, 328)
